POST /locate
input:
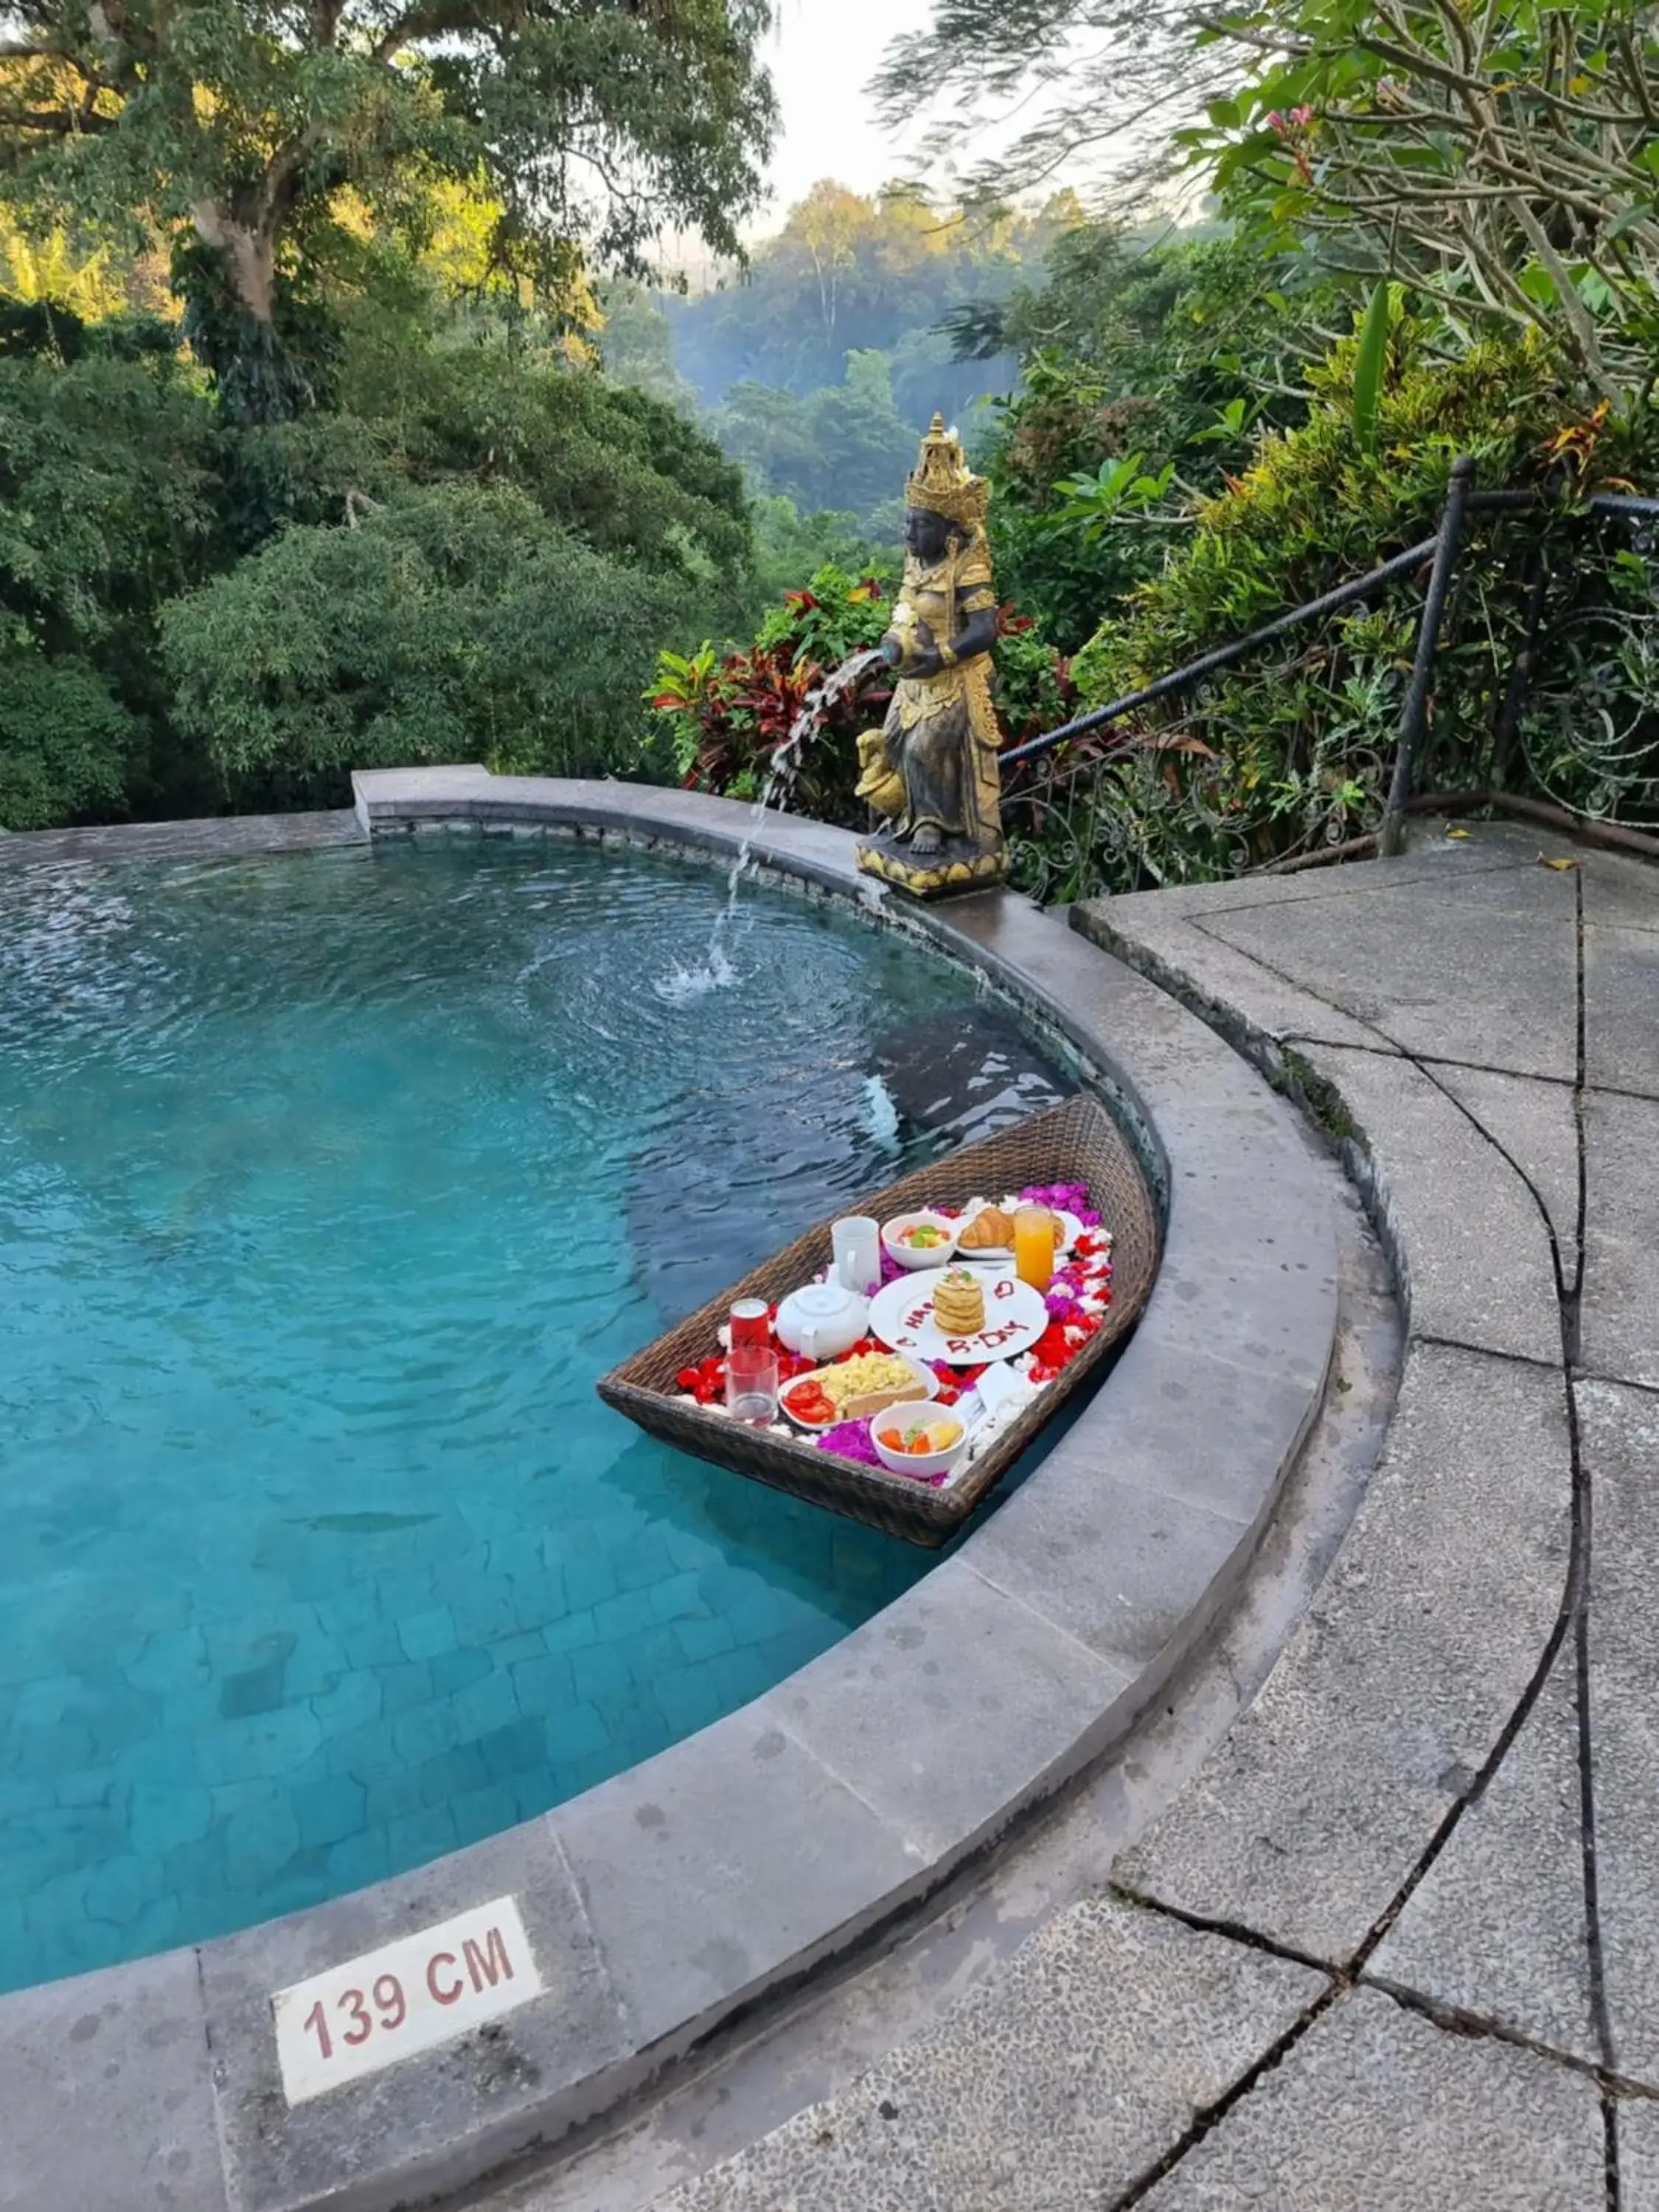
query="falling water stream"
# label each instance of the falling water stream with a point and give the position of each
(714, 972)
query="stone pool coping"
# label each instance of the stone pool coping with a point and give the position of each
(668, 1899)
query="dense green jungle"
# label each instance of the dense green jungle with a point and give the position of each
(351, 413)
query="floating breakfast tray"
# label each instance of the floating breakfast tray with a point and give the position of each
(1077, 1143)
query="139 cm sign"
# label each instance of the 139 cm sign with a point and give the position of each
(487, 1965)
(403, 1998)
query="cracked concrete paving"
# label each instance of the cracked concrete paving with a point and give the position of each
(1393, 1946)
(1377, 2110)
(1110, 2029)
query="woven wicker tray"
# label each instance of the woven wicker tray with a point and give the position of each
(1076, 1142)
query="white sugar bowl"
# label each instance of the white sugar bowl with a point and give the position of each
(822, 1320)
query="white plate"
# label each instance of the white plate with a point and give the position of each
(1070, 1230)
(927, 1386)
(901, 1316)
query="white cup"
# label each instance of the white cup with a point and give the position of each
(855, 1241)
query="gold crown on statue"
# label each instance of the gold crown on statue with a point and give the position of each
(944, 484)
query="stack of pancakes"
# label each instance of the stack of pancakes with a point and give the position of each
(959, 1303)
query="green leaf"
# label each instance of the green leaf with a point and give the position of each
(1369, 365)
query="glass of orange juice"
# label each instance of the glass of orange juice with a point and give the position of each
(1034, 1246)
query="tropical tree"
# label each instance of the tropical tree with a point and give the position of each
(847, 273)
(237, 127)
(40, 267)
(461, 618)
(108, 467)
(1026, 92)
(1504, 160)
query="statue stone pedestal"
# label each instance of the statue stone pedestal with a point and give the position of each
(957, 867)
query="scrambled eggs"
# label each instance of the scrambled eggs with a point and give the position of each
(868, 1372)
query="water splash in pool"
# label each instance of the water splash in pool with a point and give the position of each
(681, 985)
(881, 1115)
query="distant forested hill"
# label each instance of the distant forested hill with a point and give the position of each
(817, 367)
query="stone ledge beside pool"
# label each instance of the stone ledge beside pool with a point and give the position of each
(662, 1902)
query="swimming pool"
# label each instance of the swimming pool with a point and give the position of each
(328, 1184)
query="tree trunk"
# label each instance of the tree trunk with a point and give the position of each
(250, 256)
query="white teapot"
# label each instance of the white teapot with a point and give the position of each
(822, 1320)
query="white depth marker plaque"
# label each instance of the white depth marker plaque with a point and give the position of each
(408, 1997)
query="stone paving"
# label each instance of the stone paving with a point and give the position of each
(1397, 1943)
(207, 837)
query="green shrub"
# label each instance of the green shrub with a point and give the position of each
(459, 623)
(316, 468)
(722, 719)
(110, 470)
(66, 742)
(1156, 360)
(1292, 748)
(611, 464)
(1314, 508)
(108, 473)
(1033, 687)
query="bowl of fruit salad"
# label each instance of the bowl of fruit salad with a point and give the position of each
(917, 1439)
(920, 1240)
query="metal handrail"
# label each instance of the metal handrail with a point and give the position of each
(1599, 503)
(1463, 499)
(1181, 679)
(1391, 829)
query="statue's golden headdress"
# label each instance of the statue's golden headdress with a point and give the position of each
(944, 484)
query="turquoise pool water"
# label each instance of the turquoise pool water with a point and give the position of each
(328, 1185)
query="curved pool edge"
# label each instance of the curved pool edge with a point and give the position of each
(725, 1869)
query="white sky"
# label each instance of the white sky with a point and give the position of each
(823, 55)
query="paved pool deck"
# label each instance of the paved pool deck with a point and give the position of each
(1395, 1946)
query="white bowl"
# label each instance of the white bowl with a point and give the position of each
(897, 1418)
(932, 1255)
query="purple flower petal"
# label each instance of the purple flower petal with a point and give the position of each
(849, 1440)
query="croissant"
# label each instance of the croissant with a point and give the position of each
(989, 1231)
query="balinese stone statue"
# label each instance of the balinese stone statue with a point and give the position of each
(932, 768)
